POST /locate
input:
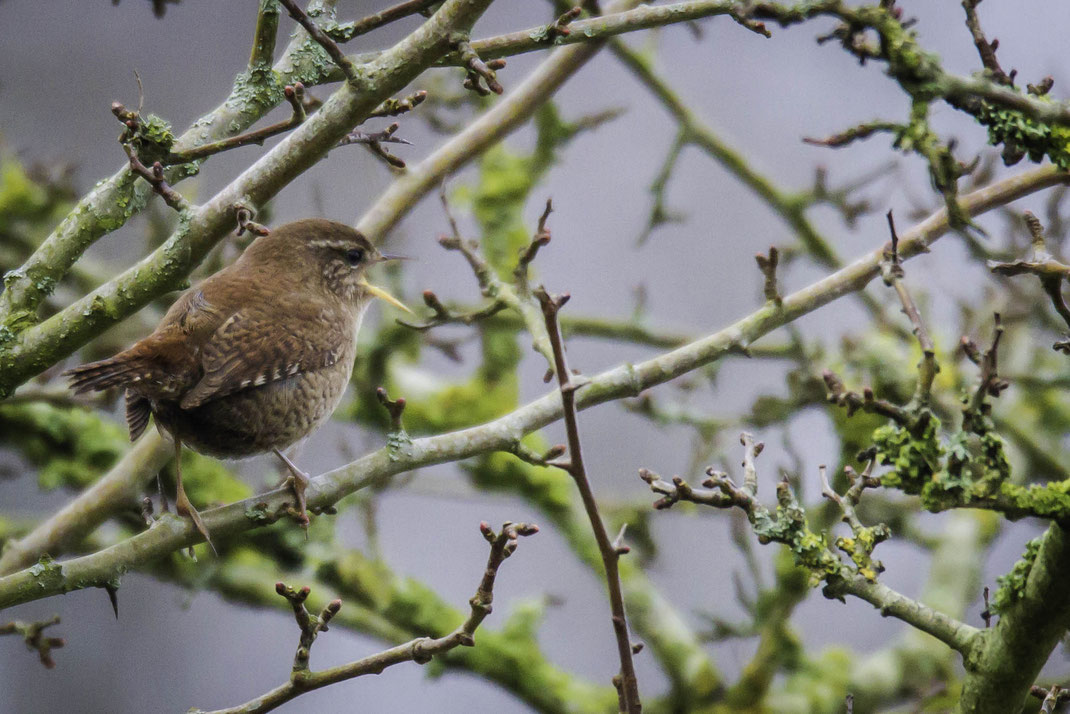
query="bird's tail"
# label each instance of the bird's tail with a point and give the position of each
(119, 371)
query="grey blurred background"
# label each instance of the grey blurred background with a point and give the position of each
(64, 63)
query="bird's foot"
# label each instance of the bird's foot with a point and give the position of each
(185, 508)
(298, 481)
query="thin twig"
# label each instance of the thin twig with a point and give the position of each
(316, 33)
(892, 272)
(295, 95)
(33, 634)
(420, 650)
(629, 684)
(349, 30)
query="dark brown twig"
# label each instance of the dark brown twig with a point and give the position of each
(768, 267)
(349, 30)
(156, 179)
(839, 395)
(855, 133)
(892, 273)
(33, 634)
(420, 650)
(628, 688)
(1050, 698)
(986, 49)
(295, 95)
(986, 614)
(321, 37)
(539, 240)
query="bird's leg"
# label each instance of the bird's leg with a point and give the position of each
(182, 502)
(299, 482)
(164, 508)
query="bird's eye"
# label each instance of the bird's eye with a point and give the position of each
(354, 256)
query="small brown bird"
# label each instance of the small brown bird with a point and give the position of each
(255, 357)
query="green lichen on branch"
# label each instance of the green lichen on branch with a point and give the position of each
(1022, 136)
(1012, 585)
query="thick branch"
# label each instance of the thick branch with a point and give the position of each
(117, 489)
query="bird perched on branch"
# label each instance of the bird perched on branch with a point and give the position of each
(255, 357)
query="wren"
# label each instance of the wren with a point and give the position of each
(255, 357)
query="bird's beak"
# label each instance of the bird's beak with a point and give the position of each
(384, 295)
(390, 256)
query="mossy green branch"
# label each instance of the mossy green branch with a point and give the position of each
(111, 203)
(1032, 623)
(167, 268)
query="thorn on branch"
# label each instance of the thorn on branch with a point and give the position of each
(393, 408)
(374, 141)
(33, 635)
(986, 614)
(476, 69)
(768, 266)
(321, 38)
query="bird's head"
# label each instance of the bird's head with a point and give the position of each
(332, 256)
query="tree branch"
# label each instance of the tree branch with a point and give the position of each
(627, 683)
(420, 650)
(171, 533)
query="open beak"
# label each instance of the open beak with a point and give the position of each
(384, 295)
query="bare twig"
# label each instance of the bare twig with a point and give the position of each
(892, 272)
(477, 68)
(420, 650)
(394, 107)
(295, 95)
(156, 179)
(1051, 273)
(349, 30)
(244, 216)
(986, 49)
(628, 683)
(375, 140)
(539, 240)
(316, 33)
(33, 634)
(768, 267)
